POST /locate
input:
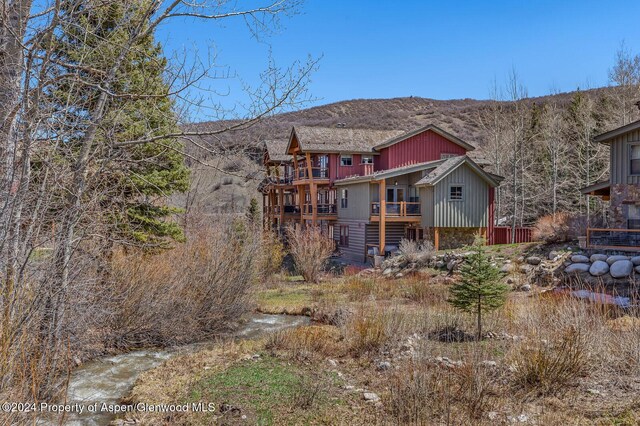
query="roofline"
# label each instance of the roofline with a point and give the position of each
(488, 177)
(595, 187)
(605, 137)
(293, 132)
(431, 127)
(397, 171)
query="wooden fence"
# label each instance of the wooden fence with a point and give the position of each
(502, 235)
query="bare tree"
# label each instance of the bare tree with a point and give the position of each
(625, 76)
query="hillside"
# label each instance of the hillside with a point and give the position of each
(218, 191)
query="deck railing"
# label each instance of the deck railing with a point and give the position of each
(620, 239)
(288, 209)
(316, 172)
(323, 209)
(399, 209)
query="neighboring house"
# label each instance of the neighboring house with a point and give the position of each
(371, 188)
(622, 190)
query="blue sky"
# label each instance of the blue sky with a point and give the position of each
(440, 50)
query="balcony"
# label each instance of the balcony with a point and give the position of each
(322, 209)
(399, 209)
(288, 210)
(318, 173)
(614, 239)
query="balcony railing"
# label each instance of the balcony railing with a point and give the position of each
(621, 239)
(399, 209)
(323, 209)
(288, 209)
(316, 172)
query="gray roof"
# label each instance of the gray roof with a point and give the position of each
(398, 171)
(434, 176)
(341, 139)
(276, 150)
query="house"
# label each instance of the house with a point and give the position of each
(622, 190)
(371, 188)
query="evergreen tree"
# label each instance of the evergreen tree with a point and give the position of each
(129, 184)
(479, 290)
(253, 212)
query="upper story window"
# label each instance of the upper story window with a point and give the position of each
(414, 194)
(346, 160)
(634, 166)
(446, 155)
(456, 192)
(367, 159)
(343, 199)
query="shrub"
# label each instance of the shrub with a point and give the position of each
(311, 249)
(414, 252)
(564, 227)
(367, 332)
(270, 256)
(549, 366)
(303, 342)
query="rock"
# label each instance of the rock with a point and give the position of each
(506, 268)
(579, 258)
(490, 364)
(510, 281)
(637, 269)
(440, 264)
(594, 391)
(387, 272)
(533, 260)
(255, 356)
(613, 259)
(597, 256)
(577, 267)
(525, 287)
(451, 265)
(525, 269)
(399, 275)
(371, 397)
(553, 255)
(492, 415)
(599, 268)
(383, 366)
(333, 362)
(621, 269)
(635, 260)
(349, 387)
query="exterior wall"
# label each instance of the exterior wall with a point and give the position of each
(620, 157)
(472, 211)
(394, 232)
(452, 238)
(356, 250)
(336, 171)
(426, 206)
(621, 197)
(358, 201)
(426, 146)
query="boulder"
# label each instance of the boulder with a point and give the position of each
(577, 267)
(526, 287)
(579, 258)
(637, 269)
(553, 255)
(383, 366)
(533, 260)
(525, 269)
(621, 269)
(635, 260)
(613, 259)
(370, 396)
(598, 256)
(506, 268)
(599, 268)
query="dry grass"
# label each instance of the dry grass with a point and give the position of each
(306, 342)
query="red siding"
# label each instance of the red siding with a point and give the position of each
(336, 171)
(502, 235)
(426, 146)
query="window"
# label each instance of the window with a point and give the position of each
(455, 193)
(634, 167)
(633, 218)
(343, 199)
(367, 159)
(344, 235)
(346, 160)
(414, 194)
(446, 155)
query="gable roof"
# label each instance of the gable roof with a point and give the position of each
(431, 127)
(339, 139)
(437, 174)
(383, 174)
(276, 150)
(607, 136)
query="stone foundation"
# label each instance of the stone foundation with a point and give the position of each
(451, 238)
(621, 197)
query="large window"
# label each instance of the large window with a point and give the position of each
(346, 160)
(343, 199)
(633, 220)
(635, 160)
(367, 159)
(414, 194)
(344, 235)
(456, 192)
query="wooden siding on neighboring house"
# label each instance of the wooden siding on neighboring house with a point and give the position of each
(426, 146)
(472, 211)
(620, 159)
(356, 249)
(358, 201)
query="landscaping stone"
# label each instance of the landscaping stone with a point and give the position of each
(533, 260)
(612, 259)
(577, 267)
(635, 260)
(599, 268)
(525, 287)
(506, 268)
(525, 269)
(579, 258)
(598, 256)
(638, 269)
(371, 397)
(554, 255)
(621, 269)
(383, 366)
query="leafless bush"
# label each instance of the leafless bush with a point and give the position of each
(420, 253)
(270, 256)
(564, 227)
(189, 293)
(310, 249)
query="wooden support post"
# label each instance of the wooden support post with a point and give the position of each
(281, 203)
(383, 213)
(483, 234)
(301, 197)
(313, 189)
(436, 238)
